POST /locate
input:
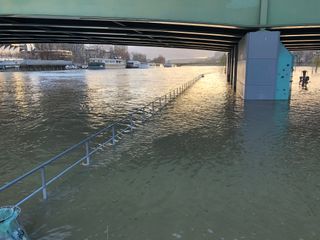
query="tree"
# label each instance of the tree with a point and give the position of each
(160, 59)
(316, 61)
(223, 60)
(78, 50)
(139, 57)
(120, 52)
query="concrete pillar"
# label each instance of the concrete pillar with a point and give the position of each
(228, 63)
(264, 67)
(231, 65)
(235, 67)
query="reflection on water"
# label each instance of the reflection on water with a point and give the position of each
(210, 167)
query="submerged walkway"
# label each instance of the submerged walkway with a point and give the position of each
(106, 136)
(209, 167)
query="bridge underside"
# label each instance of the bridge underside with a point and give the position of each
(144, 33)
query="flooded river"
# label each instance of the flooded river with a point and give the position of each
(211, 166)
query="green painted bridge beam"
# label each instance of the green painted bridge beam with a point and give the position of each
(238, 13)
(203, 24)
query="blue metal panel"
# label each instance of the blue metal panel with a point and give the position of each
(263, 44)
(256, 92)
(258, 81)
(284, 74)
(261, 71)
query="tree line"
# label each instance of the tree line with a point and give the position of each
(81, 53)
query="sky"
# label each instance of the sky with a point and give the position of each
(172, 53)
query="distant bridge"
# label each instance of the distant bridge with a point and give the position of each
(202, 24)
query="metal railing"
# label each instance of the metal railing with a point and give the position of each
(110, 134)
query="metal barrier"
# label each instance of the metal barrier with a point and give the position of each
(113, 132)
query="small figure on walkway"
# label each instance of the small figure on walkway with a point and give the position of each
(304, 79)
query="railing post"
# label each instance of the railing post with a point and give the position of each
(170, 96)
(87, 163)
(152, 104)
(165, 99)
(44, 183)
(131, 122)
(143, 115)
(113, 135)
(160, 102)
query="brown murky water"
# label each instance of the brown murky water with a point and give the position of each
(210, 167)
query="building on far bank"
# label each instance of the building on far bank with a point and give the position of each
(49, 55)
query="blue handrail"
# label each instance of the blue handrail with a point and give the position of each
(125, 125)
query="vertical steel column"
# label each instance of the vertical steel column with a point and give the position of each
(235, 66)
(264, 4)
(231, 66)
(44, 183)
(228, 65)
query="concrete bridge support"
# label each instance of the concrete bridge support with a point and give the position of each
(232, 67)
(263, 67)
